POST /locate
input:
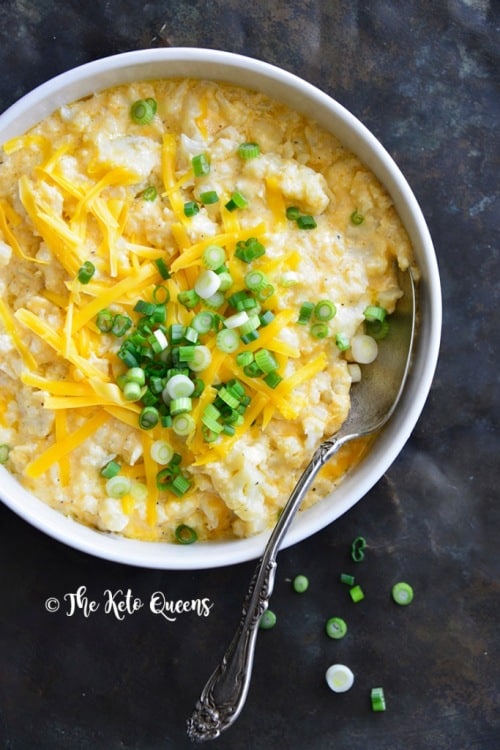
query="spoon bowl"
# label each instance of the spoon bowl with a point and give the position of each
(373, 401)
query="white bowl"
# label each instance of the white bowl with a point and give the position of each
(279, 84)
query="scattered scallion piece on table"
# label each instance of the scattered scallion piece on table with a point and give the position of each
(402, 593)
(356, 593)
(336, 628)
(300, 584)
(347, 579)
(267, 620)
(339, 678)
(358, 549)
(377, 699)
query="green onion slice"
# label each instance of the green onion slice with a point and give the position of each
(185, 534)
(402, 593)
(4, 453)
(161, 452)
(143, 111)
(336, 628)
(201, 165)
(267, 620)
(86, 272)
(324, 310)
(248, 150)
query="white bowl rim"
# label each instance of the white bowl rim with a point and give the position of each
(297, 93)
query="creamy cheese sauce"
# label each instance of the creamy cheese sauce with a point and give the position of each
(72, 190)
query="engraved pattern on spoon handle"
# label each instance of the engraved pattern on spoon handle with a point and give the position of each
(225, 693)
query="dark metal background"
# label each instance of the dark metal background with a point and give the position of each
(424, 77)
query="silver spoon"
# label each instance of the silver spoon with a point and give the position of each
(373, 401)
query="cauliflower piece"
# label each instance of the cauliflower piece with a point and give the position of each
(134, 152)
(298, 182)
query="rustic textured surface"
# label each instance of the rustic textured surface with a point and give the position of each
(424, 77)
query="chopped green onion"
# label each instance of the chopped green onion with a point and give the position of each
(121, 324)
(237, 200)
(201, 165)
(272, 379)
(237, 320)
(305, 313)
(179, 386)
(244, 358)
(179, 485)
(402, 593)
(215, 300)
(300, 584)
(249, 250)
(189, 298)
(267, 620)
(207, 284)
(356, 593)
(104, 320)
(251, 323)
(357, 218)
(266, 317)
(150, 193)
(213, 257)
(255, 281)
(377, 699)
(336, 628)
(265, 360)
(342, 342)
(185, 534)
(183, 424)
(319, 330)
(203, 322)
(339, 678)
(358, 549)
(202, 358)
(375, 312)
(324, 310)
(293, 213)
(191, 208)
(161, 295)
(364, 349)
(86, 272)
(248, 150)
(252, 370)
(4, 453)
(180, 405)
(132, 391)
(377, 329)
(118, 486)
(209, 197)
(347, 578)
(111, 469)
(227, 341)
(144, 307)
(306, 222)
(162, 268)
(148, 418)
(143, 110)
(161, 452)
(226, 280)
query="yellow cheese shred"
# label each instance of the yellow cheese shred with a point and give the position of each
(10, 327)
(60, 449)
(61, 435)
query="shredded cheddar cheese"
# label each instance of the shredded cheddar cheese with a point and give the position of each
(70, 347)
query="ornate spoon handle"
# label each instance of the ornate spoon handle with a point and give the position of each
(225, 693)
